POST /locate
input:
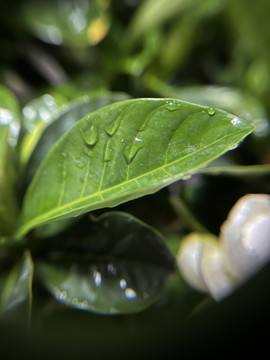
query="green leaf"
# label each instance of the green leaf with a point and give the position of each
(8, 203)
(76, 25)
(16, 299)
(9, 115)
(64, 121)
(116, 265)
(234, 170)
(153, 13)
(124, 151)
(229, 99)
(37, 115)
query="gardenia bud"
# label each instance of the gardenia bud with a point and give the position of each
(218, 267)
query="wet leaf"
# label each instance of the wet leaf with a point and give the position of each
(116, 265)
(64, 121)
(16, 299)
(124, 151)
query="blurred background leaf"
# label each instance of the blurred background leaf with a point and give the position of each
(112, 265)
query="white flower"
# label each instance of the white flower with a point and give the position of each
(219, 266)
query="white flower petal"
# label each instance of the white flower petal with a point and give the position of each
(189, 257)
(246, 230)
(214, 271)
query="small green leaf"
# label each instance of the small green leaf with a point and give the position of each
(76, 25)
(16, 299)
(119, 265)
(8, 203)
(153, 13)
(37, 115)
(9, 115)
(156, 142)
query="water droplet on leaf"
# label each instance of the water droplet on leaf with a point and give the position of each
(211, 111)
(130, 153)
(187, 177)
(123, 284)
(90, 135)
(97, 278)
(172, 105)
(80, 165)
(235, 121)
(111, 128)
(130, 294)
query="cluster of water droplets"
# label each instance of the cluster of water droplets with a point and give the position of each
(91, 136)
(94, 284)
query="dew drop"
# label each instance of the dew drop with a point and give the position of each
(111, 128)
(80, 165)
(123, 284)
(64, 155)
(90, 135)
(111, 269)
(130, 294)
(186, 177)
(235, 121)
(211, 111)
(97, 278)
(75, 301)
(88, 152)
(62, 296)
(172, 105)
(130, 153)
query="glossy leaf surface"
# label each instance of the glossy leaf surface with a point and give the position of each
(117, 264)
(124, 151)
(64, 121)
(16, 299)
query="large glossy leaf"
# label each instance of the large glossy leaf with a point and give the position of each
(16, 299)
(114, 264)
(64, 121)
(124, 151)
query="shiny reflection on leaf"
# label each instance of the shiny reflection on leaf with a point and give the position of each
(121, 267)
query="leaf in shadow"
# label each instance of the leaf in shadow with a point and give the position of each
(116, 264)
(16, 299)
